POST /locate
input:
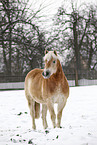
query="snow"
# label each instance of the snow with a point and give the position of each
(79, 120)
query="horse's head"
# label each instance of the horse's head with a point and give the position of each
(51, 60)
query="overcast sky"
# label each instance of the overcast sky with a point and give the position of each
(50, 7)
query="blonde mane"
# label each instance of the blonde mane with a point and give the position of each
(50, 55)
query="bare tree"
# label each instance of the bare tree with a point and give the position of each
(19, 34)
(90, 41)
(72, 28)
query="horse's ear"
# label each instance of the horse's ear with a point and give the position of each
(55, 52)
(46, 51)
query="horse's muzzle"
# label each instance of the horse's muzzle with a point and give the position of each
(46, 74)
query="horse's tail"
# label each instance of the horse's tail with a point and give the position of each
(37, 110)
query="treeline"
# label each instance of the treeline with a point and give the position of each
(77, 32)
(22, 41)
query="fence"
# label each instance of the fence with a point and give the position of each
(13, 78)
(17, 82)
(20, 85)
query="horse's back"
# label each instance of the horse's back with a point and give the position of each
(33, 73)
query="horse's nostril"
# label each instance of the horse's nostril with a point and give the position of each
(43, 73)
(47, 73)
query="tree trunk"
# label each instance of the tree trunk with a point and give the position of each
(4, 56)
(10, 51)
(90, 56)
(10, 39)
(76, 51)
(76, 77)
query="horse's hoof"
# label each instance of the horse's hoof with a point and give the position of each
(54, 126)
(45, 127)
(34, 127)
(58, 126)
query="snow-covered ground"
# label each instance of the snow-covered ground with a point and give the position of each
(79, 120)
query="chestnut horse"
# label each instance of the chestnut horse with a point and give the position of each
(47, 86)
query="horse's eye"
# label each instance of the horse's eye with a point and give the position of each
(54, 61)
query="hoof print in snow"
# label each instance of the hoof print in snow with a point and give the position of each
(57, 137)
(13, 140)
(24, 140)
(30, 142)
(46, 131)
(20, 114)
(20, 140)
(18, 127)
(26, 112)
(89, 134)
(70, 127)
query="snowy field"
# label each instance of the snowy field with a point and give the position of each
(79, 120)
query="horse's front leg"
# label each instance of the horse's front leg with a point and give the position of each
(60, 108)
(32, 112)
(44, 113)
(50, 106)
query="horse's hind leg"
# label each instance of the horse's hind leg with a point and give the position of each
(60, 108)
(44, 113)
(37, 110)
(31, 104)
(52, 112)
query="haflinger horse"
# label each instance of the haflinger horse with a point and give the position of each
(47, 86)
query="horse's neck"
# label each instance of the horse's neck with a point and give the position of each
(59, 72)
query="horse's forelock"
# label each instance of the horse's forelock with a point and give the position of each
(50, 55)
